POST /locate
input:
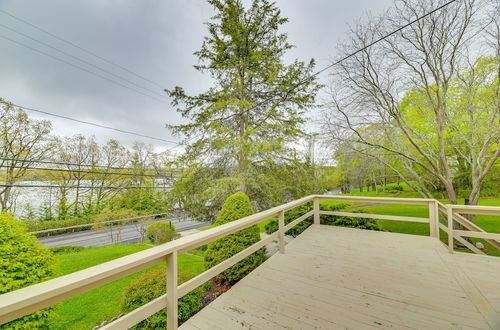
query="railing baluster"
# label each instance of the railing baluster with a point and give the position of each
(449, 211)
(316, 210)
(433, 219)
(281, 231)
(172, 323)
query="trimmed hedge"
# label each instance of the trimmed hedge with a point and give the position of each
(151, 285)
(161, 232)
(66, 249)
(235, 207)
(351, 222)
(333, 220)
(23, 262)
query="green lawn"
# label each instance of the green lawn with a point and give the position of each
(91, 308)
(261, 225)
(487, 223)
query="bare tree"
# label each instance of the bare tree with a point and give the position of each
(22, 141)
(418, 94)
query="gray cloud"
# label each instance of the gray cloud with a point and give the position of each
(153, 38)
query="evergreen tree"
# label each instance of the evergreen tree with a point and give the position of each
(246, 122)
(236, 206)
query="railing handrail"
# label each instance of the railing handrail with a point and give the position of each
(67, 286)
(95, 223)
(27, 300)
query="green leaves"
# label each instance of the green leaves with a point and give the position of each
(254, 111)
(23, 262)
(237, 206)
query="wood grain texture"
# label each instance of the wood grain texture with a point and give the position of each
(344, 278)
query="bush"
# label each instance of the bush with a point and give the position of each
(161, 232)
(23, 262)
(351, 222)
(393, 187)
(235, 207)
(66, 249)
(299, 211)
(151, 285)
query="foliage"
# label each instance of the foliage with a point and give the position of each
(161, 232)
(79, 312)
(393, 187)
(21, 138)
(237, 206)
(151, 285)
(23, 262)
(67, 249)
(428, 111)
(351, 222)
(299, 211)
(245, 123)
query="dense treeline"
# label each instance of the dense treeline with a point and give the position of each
(84, 176)
(422, 104)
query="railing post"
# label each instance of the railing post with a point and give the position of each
(281, 231)
(433, 219)
(172, 323)
(316, 210)
(449, 211)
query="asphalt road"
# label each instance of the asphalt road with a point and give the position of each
(128, 234)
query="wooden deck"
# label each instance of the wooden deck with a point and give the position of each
(339, 278)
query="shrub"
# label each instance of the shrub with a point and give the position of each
(351, 222)
(393, 187)
(161, 232)
(23, 261)
(235, 207)
(299, 211)
(66, 249)
(151, 285)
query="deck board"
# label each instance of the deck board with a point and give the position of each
(343, 278)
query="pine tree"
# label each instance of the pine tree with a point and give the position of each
(255, 109)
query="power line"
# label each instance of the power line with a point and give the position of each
(72, 187)
(81, 171)
(73, 164)
(94, 124)
(80, 48)
(337, 62)
(385, 37)
(264, 101)
(80, 59)
(81, 68)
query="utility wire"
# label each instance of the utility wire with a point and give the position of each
(72, 187)
(73, 164)
(81, 68)
(94, 124)
(384, 37)
(80, 48)
(81, 60)
(177, 144)
(82, 171)
(336, 63)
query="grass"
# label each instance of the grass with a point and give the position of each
(261, 226)
(488, 223)
(80, 312)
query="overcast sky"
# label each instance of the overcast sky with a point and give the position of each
(154, 39)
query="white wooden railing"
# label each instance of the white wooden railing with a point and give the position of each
(24, 301)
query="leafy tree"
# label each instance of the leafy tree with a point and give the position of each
(21, 139)
(255, 109)
(151, 285)
(237, 206)
(161, 232)
(23, 262)
(424, 97)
